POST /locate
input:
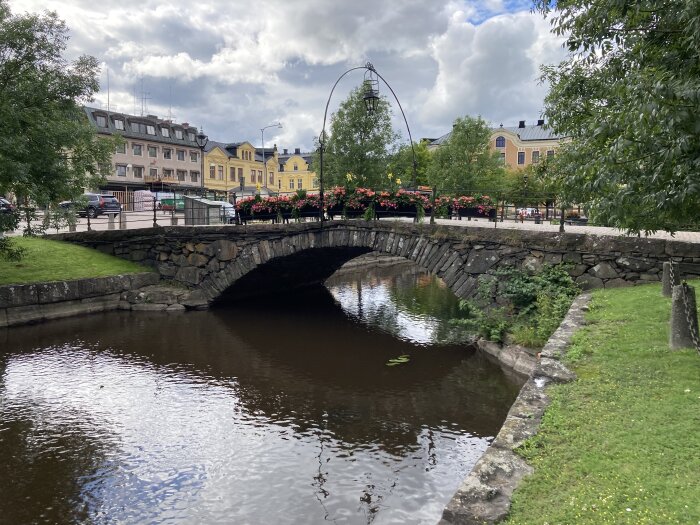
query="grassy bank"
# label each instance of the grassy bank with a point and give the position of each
(47, 260)
(621, 444)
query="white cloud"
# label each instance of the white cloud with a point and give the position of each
(234, 67)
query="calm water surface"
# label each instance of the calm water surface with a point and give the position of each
(283, 411)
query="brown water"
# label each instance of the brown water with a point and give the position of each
(279, 412)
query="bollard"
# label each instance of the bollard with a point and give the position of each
(670, 278)
(110, 221)
(122, 221)
(684, 318)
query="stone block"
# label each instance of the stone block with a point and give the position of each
(18, 295)
(53, 292)
(189, 275)
(589, 282)
(197, 259)
(604, 270)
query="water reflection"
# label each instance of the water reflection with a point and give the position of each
(281, 413)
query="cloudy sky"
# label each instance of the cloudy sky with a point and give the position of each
(234, 67)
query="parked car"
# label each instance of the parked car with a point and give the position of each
(97, 204)
(6, 206)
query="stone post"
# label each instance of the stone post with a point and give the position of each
(122, 221)
(666, 284)
(682, 325)
(110, 221)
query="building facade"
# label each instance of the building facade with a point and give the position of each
(238, 167)
(156, 154)
(519, 146)
(295, 173)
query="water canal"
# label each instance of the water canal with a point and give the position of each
(279, 411)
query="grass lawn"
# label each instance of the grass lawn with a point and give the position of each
(621, 444)
(47, 260)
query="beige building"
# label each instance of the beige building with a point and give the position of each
(519, 146)
(238, 167)
(295, 173)
(156, 154)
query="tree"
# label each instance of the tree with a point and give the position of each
(465, 163)
(48, 150)
(401, 164)
(359, 143)
(628, 96)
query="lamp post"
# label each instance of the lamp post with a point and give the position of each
(202, 140)
(262, 142)
(371, 100)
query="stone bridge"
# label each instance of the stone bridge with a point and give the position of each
(236, 261)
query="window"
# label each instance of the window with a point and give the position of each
(167, 153)
(535, 157)
(138, 127)
(137, 149)
(153, 173)
(240, 173)
(165, 132)
(500, 142)
(194, 156)
(300, 183)
(260, 179)
(550, 153)
(119, 124)
(220, 173)
(503, 158)
(291, 184)
(181, 174)
(281, 167)
(521, 157)
(101, 121)
(152, 151)
(121, 148)
(190, 135)
(194, 176)
(252, 176)
(232, 173)
(151, 130)
(296, 167)
(178, 134)
(212, 171)
(121, 170)
(271, 177)
(167, 174)
(180, 154)
(138, 172)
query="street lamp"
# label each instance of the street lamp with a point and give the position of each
(262, 141)
(202, 140)
(371, 100)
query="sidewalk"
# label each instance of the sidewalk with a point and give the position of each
(144, 219)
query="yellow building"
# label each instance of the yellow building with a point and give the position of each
(295, 173)
(519, 146)
(238, 167)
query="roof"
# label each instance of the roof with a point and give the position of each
(526, 133)
(307, 156)
(151, 120)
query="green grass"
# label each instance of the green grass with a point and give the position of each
(47, 260)
(621, 444)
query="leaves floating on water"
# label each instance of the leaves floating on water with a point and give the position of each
(398, 360)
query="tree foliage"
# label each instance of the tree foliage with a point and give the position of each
(628, 95)
(401, 164)
(464, 162)
(48, 149)
(359, 143)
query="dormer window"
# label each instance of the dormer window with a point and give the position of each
(151, 130)
(178, 134)
(101, 121)
(500, 142)
(119, 124)
(165, 132)
(190, 136)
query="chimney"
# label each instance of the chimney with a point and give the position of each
(285, 151)
(297, 151)
(540, 122)
(521, 124)
(185, 124)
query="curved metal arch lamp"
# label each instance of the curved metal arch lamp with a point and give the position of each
(371, 98)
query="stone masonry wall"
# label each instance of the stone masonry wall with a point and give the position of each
(210, 259)
(35, 302)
